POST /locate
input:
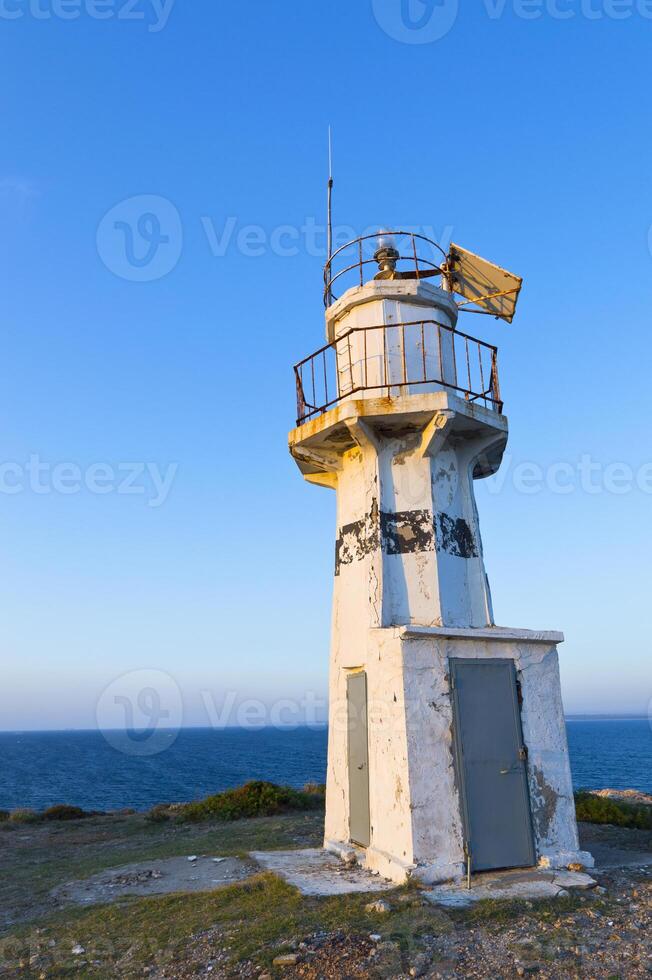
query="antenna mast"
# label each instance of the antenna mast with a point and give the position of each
(330, 208)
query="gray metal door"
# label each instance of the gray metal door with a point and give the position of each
(359, 820)
(491, 764)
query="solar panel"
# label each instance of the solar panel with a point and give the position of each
(492, 289)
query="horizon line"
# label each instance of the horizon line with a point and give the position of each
(318, 726)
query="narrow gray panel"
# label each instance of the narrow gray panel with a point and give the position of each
(491, 764)
(359, 820)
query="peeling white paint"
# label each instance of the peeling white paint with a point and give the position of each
(411, 593)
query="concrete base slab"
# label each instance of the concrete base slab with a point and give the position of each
(159, 877)
(317, 872)
(510, 885)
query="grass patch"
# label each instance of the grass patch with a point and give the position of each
(254, 799)
(602, 809)
(253, 920)
(22, 815)
(46, 854)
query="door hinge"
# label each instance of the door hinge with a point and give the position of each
(469, 863)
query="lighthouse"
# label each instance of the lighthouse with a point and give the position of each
(447, 749)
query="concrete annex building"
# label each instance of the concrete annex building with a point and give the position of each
(447, 745)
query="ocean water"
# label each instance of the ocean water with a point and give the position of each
(40, 769)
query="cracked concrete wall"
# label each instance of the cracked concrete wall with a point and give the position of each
(414, 796)
(410, 573)
(357, 603)
(408, 549)
(390, 850)
(437, 835)
(544, 731)
(434, 791)
(466, 597)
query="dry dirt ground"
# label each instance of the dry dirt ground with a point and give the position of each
(261, 927)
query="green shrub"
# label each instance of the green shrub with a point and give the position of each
(315, 789)
(4, 816)
(159, 813)
(64, 812)
(602, 809)
(254, 799)
(23, 815)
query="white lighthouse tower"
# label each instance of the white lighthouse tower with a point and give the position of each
(447, 746)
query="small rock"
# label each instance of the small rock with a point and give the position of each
(420, 966)
(193, 857)
(375, 938)
(349, 857)
(379, 908)
(78, 950)
(288, 959)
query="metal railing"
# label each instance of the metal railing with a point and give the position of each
(423, 255)
(393, 358)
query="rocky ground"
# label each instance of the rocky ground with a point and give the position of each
(604, 934)
(262, 928)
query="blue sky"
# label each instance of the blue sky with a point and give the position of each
(525, 137)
